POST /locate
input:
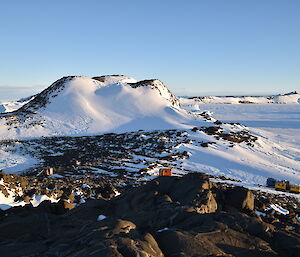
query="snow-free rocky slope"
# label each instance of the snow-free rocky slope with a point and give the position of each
(79, 105)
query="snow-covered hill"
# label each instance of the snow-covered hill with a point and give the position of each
(80, 106)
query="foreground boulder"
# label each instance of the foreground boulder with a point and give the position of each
(169, 216)
(240, 198)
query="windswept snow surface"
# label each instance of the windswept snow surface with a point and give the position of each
(242, 162)
(81, 106)
(276, 153)
(14, 162)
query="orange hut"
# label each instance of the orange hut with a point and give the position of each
(165, 172)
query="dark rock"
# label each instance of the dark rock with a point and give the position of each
(169, 216)
(240, 198)
(287, 244)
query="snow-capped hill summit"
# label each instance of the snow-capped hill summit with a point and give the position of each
(111, 79)
(154, 84)
(83, 86)
(160, 87)
(80, 105)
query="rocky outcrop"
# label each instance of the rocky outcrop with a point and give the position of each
(240, 198)
(160, 87)
(169, 216)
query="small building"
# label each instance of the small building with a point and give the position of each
(165, 172)
(48, 171)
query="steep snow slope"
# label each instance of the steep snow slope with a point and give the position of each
(81, 105)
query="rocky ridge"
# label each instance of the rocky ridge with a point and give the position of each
(158, 86)
(168, 216)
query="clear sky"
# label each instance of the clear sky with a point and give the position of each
(195, 47)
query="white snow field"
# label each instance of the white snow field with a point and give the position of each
(279, 123)
(276, 153)
(83, 106)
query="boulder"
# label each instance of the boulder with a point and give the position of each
(68, 205)
(205, 202)
(123, 226)
(239, 198)
(288, 244)
(144, 247)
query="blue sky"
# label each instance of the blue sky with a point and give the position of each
(195, 47)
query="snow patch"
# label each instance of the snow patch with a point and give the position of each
(101, 217)
(279, 209)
